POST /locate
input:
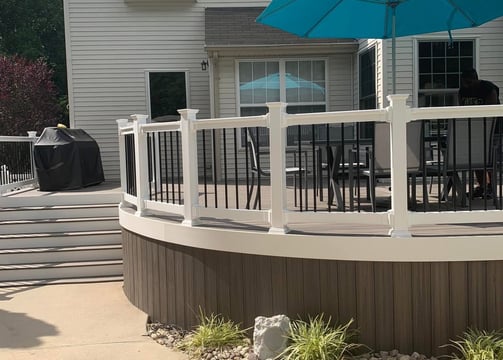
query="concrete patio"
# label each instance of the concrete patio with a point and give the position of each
(74, 321)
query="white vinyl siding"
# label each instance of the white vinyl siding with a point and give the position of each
(339, 87)
(112, 44)
(488, 55)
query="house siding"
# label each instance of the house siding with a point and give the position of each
(488, 58)
(112, 44)
(339, 90)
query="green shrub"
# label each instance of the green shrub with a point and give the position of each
(317, 340)
(213, 332)
(478, 345)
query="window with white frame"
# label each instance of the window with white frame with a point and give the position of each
(441, 63)
(167, 91)
(440, 66)
(367, 88)
(299, 83)
(367, 80)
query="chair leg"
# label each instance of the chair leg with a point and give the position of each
(250, 192)
(373, 192)
(295, 190)
(459, 188)
(305, 191)
(319, 173)
(413, 194)
(494, 190)
(255, 203)
(351, 182)
(446, 188)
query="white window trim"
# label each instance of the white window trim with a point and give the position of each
(281, 62)
(147, 87)
(282, 91)
(432, 38)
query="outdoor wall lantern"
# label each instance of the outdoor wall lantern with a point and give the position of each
(204, 65)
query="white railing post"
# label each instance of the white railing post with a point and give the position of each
(33, 136)
(122, 157)
(399, 117)
(277, 146)
(141, 162)
(189, 165)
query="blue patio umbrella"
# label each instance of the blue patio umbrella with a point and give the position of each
(273, 82)
(377, 19)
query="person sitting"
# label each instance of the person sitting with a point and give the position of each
(474, 91)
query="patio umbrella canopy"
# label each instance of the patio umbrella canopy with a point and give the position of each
(377, 19)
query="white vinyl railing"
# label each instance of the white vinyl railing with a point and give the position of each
(17, 166)
(278, 216)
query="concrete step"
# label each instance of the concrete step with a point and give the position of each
(10, 287)
(59, 225)
(61, 239)
(60, 254)
(58, 271)
(58, 212)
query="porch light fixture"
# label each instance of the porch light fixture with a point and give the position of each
(204, 65)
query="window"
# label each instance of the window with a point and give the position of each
(300, 83)
(367, 81)
(440, 68)
(168, 93)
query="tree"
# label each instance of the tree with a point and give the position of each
(35, 29)
(28, 98)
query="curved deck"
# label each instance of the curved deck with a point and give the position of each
(412, 276)
(411, 294)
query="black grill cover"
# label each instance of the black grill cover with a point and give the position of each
(67, 159)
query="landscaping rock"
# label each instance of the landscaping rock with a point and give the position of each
(270, 336)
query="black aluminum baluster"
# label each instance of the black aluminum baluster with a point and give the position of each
(205, 175)
(214, 145)
(178, 169)
(236, 176)
(224, 138)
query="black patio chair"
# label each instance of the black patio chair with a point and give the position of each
(259, 171)
(380, 160)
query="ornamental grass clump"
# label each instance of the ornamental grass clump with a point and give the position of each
(478, 345)
(213, 333)
(318, 340)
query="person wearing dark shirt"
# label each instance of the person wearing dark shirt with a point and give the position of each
(474, 91)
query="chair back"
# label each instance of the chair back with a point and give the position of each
(469, 143)
(252, 148)
(381, 153)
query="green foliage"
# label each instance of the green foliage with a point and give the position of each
(213, 332)
(35, 29)
(478, 345)
(27, 96)
(318, 340)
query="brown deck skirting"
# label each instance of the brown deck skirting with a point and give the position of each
(406, 306)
